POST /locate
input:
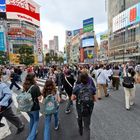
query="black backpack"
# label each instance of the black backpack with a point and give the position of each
(85, 100)
(128, 82)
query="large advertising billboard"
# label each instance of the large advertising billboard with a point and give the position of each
(88, 42)
(127, 17)
(103, 36)
(88, 25)
(2, 6)
(26, 10)
(2, 9)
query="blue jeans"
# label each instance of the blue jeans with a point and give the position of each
(48, 124)
(34, 120)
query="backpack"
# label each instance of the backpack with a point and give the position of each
(85, 101)
(50, 105)
(137, 68)
(128, 82)
(25, 101)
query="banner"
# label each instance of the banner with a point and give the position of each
(26, 10)
(88, 25)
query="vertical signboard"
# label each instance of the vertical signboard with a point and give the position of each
(81, 54)
(2, 9)
(2, 44)
(39, 45)
(2, 39)
(88, 25)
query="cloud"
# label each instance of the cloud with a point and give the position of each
(64, 15)
(50, 29)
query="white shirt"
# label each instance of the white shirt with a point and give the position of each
(103, 77)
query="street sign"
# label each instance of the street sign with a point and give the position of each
(88, 25)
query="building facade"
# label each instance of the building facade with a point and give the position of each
(21, 28)
(124, 30)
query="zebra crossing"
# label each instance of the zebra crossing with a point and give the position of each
(5, 131)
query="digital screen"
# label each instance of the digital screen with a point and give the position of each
(87, 42)
(88, 54)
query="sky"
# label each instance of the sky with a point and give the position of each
(57, 16)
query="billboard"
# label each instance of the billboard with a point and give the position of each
(103, 37)
(2, 41)
(104, 45)
(81, 54)
(2, 9)
(88, 41)
(88, 54)
(69, 35)
(26, 10)
(127, 17)
(88, 25)
(2, 6)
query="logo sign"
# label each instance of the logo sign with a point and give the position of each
(69, 33)
(88, 25)
(26, 10)
(103, 37)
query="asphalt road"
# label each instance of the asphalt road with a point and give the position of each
(110, 121)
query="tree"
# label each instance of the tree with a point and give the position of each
(47, 58)
(61, 60)
(3, 58)
(26, 55)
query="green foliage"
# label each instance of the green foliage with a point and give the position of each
(53, 58)
(26, 55)
(3, 58)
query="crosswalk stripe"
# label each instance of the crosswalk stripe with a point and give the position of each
(15, 104)
(41, 80)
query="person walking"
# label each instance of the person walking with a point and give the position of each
(34, 113)
(102, 80)
(59, 81)
(116, 77)
(6, 109)
(129, 89)
(85, 95)
(51, 100)
(68, 84)
(14, 79)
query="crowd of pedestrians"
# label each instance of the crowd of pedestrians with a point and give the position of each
(84, 84)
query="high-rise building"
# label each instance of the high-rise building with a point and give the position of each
(124, 30)
(53, 44)
(56, 43)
